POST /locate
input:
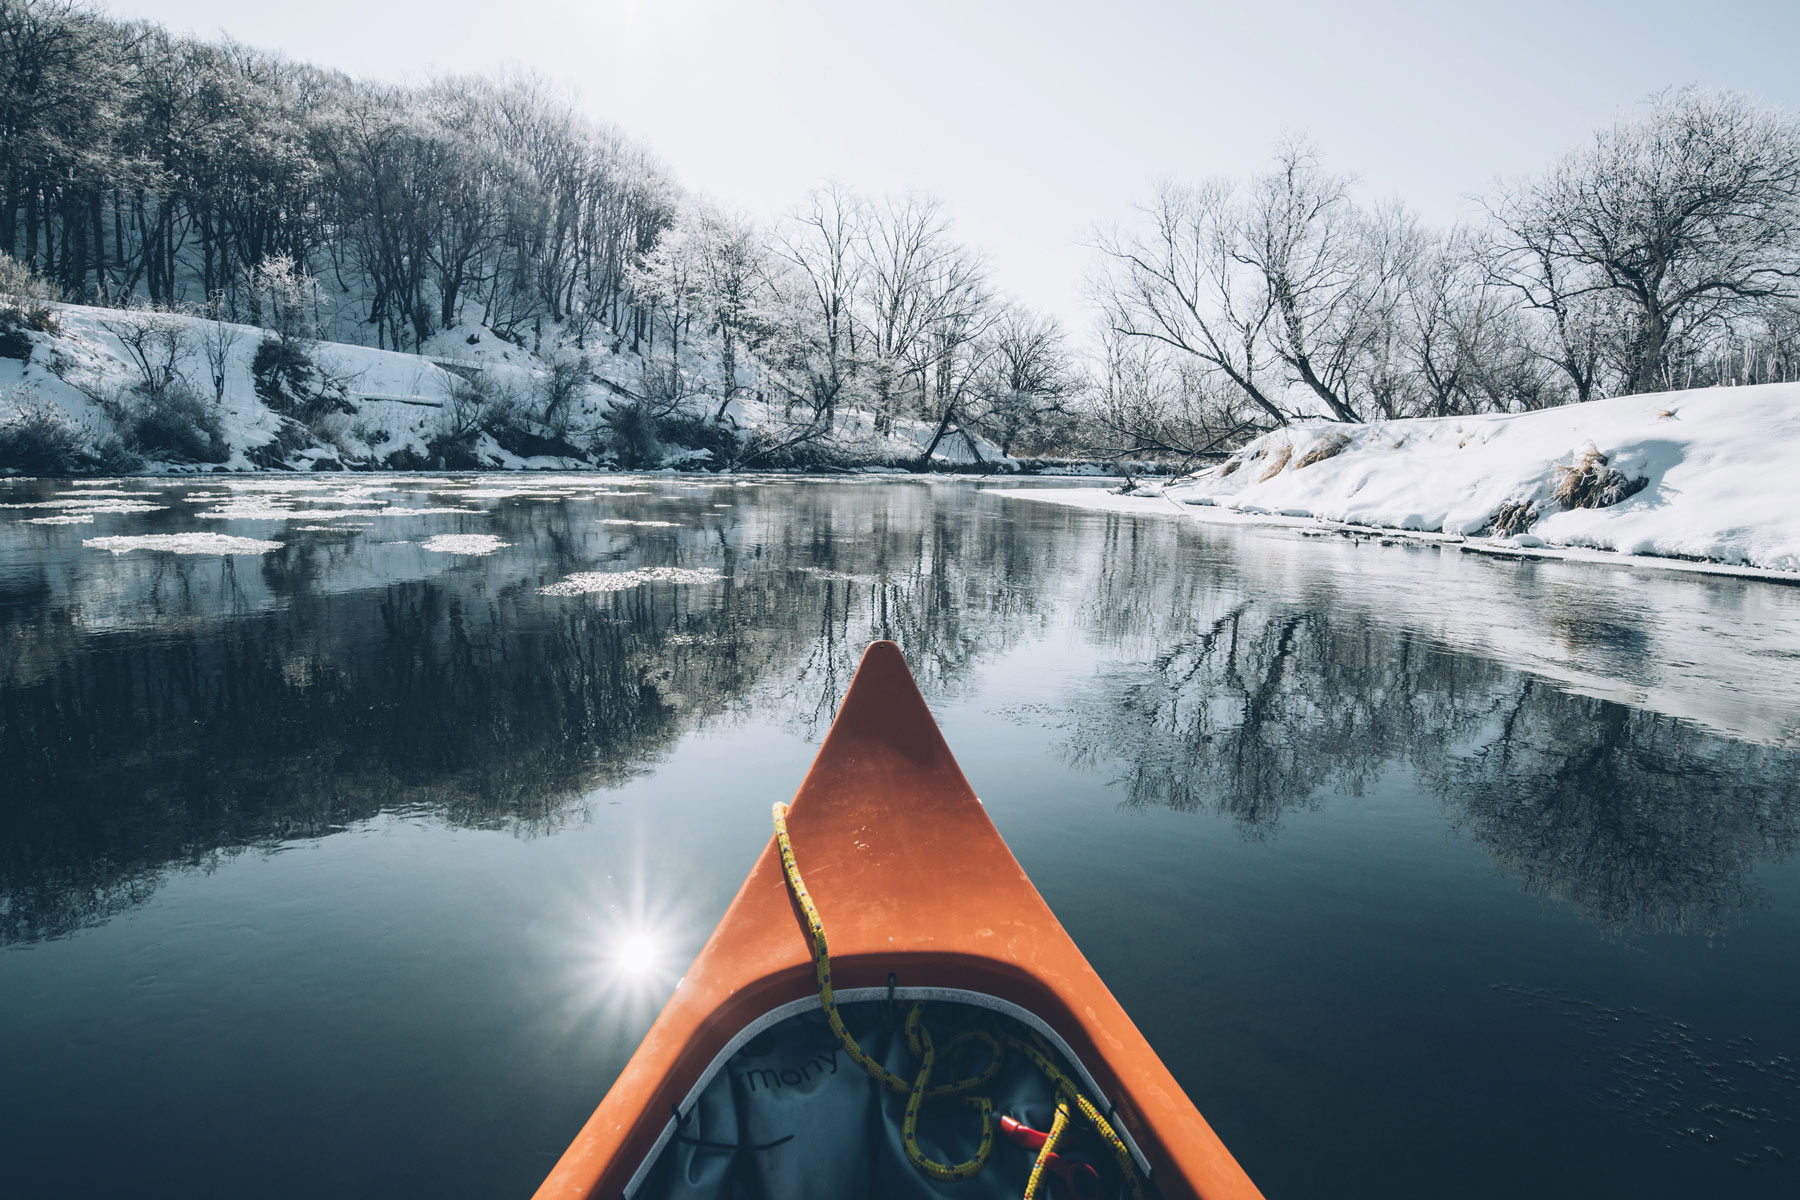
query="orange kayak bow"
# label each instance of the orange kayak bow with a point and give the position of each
(923, 902)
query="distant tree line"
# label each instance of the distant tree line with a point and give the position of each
(1664, 254)
(142, 165)
(144, 168)
(140, 168)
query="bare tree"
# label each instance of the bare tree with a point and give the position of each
(1303, 236)
(1152, 402)
(218, 338)
(954, 350)
(1679, 218)
(1470, 343)
(1178, 280)
(917, 280)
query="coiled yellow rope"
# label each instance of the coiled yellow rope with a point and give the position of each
(919, 1041)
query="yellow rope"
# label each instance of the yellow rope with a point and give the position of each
(1048, 1150)
(1070, 1093)
(919, 1041)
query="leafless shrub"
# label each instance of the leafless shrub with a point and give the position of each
(563, 384)
(176, 424)
(154, 343)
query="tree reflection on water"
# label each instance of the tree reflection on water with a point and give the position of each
(1251, 706)
(159, 713)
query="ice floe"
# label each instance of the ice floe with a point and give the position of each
(183, 543)
(464, 543)
(588, 582)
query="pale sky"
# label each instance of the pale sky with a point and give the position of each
(1033, 119)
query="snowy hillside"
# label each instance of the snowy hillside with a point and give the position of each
(1703, 474)
(471, 400)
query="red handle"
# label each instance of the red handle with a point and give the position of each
(1082, 1180)
(1025, 1135)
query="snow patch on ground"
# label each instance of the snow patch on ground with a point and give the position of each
(464, 543)
(183, 543)
(589, 582)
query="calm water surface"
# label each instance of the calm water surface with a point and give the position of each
(1427, 875)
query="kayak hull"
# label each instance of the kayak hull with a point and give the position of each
(917, 890)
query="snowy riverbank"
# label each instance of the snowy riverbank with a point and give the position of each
(114, 392)
(1671, 477)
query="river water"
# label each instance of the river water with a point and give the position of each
(1426, 874)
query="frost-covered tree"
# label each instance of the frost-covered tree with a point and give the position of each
(920, 292)
(1028, 380)
(817, 276)
(710, 266)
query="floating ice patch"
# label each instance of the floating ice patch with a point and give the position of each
(650, 524)
(121, 506)
(270, 510)
(536, 489)
(618, 492)
(464, 543)
(304, 485)
(838, 576)
(587, 582)
(93, 492)
(183, 543)
(94, 506)
(80, 518)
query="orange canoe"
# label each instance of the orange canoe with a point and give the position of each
(921, 900)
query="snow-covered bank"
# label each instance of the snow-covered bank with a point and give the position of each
(1697, 475)
(238, 398)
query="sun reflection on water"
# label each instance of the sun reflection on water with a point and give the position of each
(637, 955)
(624, 949)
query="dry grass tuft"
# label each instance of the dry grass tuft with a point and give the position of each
(1330, 447)
(1276, 465)
(1230, 466)
(1592, 483)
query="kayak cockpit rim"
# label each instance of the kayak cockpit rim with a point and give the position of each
(811, 1003)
